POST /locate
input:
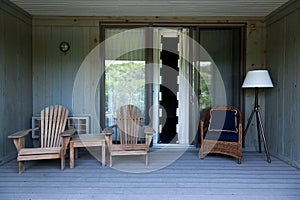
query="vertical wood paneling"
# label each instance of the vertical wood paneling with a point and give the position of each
(79, 49)
(67, 66)
(2, 81)
(39, 49)
(55, 71)
(274, 95)
(255, 59)
(87, 39)
(24, 82)
(296, 147)
(290, 93)
(16, 82)
(283, 55)
(51, 73)
(12, 73)
(93, 42)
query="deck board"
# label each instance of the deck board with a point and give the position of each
(188, 177)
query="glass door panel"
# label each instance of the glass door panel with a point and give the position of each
(220, 75)
(217, 78)
(124, 70)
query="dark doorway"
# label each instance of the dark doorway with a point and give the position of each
(169, 73)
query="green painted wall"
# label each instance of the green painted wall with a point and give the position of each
(15, 75)
(283, 101)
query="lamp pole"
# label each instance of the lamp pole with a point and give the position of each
(260, 129)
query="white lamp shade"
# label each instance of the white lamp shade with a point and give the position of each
(257, 79)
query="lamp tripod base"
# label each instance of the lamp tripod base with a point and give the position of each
(260, 129)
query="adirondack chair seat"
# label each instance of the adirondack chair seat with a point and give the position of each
(135, 139)
(53, 139)
(35, 153)
(128, 149)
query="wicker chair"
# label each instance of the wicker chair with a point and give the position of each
(221, 132)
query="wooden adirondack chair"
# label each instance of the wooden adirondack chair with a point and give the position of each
(53, 137)
(135, 139)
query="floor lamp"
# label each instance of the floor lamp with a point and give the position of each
(258, 79)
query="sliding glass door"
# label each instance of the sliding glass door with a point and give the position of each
(223, 64)
(219, 68)
(172, 74)
(124, 70)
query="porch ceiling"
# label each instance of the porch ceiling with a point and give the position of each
(198, 8)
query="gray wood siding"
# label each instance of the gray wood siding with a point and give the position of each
(255, 59)
(54, 72)
(283, 61)
(15, 75)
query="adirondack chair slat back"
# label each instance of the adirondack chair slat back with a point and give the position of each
(53, 122)
(129, 123)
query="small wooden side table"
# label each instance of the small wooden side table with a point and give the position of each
(87, 140)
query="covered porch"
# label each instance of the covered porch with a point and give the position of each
(35, 74)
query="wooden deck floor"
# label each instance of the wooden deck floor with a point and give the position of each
(215, 177)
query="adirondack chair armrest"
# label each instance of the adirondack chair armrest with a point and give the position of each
(69, 132)
(22, 133)
(66, 137)
(149, 131)
(110, 128)
(19, 137)
(108, 132)
(108, 140)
